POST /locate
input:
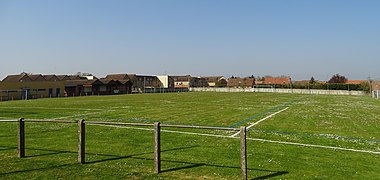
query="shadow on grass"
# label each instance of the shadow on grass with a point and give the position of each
(9, 136)
(192, 165)
(279, 173)
(51, 152)
(37, 169)
(188, 165)
(7, 148)
(114, 157)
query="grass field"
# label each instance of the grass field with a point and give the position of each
(348, 122)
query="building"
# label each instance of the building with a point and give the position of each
(166, 81)
(63, 77)
(198, 82)
(376, 85)
(139, 82)
(79, 87)
(237, 82)
(28, 86)
(277, 80)
(147, 82)
(23, 77)
(216, 81)
(188, 81)
(302, 82)
(182, 81)
(51, 77)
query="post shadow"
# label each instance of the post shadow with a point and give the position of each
(37, 169)
(279, 173)
(116, 157)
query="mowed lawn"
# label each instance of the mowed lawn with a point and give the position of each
(112, 153)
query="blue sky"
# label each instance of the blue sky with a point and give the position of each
(199, 37)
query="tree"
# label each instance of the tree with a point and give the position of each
(337, 78)
(312, 80)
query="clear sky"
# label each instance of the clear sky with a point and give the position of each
(301, 38)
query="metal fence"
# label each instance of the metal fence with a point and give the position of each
(157, 138)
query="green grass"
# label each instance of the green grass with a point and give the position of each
(119, 153)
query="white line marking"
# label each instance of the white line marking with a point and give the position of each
(148, 129)
(316, 146)
(261, 120)
(252, 139)
(83, 114)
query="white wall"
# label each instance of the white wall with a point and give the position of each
(298, 91)
(164, 81)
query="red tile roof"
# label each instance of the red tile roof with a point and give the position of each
(356, 81)
(270, 80)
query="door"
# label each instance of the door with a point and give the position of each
(50, 92)
(57, 92)
(24, 94)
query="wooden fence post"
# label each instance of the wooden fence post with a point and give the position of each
(243, 153)
(157, 148)
(21, 138)
(81, 141)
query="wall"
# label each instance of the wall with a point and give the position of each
(298, 91)
(166, 81)
(181, 84)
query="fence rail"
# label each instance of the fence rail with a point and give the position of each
(201, 127)
(51, 121)
(157, 138)
(5, 120)
(118, 123)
